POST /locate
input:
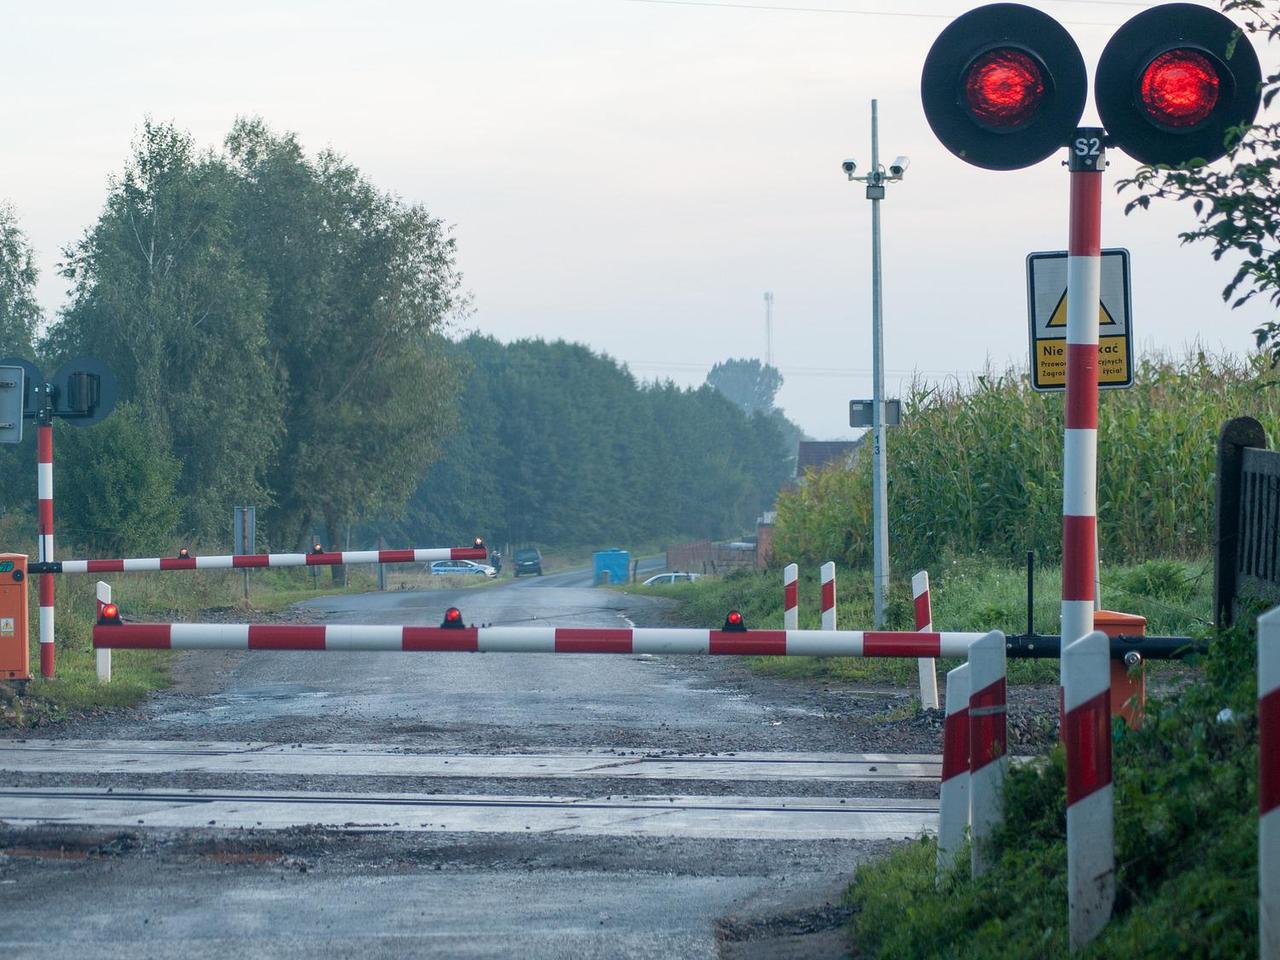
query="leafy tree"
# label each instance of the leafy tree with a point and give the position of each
(1237, 209)
(123, 499)
(750, 384)
(359, 287)
(19, 316)
(161, 293)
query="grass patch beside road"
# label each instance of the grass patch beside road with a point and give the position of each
(968, 595)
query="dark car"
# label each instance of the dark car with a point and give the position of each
(527, 560)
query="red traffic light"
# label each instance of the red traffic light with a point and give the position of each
(110, 613)
(734, 623)
(452, 619)
(1174, 81)
(1003, 88)
(479, 543)
(317, 548)
(1179, 88)
(184, 553)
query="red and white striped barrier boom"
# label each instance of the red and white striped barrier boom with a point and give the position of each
(1091, 865)
(252, 560)
(1269, 785)
(953, 792)
(924, 621)
(44, 518)
(988, 739)
(828, 596)
(791, 597)
(769, 643)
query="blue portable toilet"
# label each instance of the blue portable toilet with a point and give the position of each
(612, 566)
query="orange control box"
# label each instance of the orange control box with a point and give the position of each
(1128, 690)
(14, 652)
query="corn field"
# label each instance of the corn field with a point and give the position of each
(976, 469)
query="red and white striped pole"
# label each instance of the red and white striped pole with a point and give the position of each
(1269, 785)
(1091, 864)
(257, 560)
(102, 657)
(828, 596)
(791, 597)
(924, 621)
(988, 739)
(953, 792)
(1091, 881)
(44, 523)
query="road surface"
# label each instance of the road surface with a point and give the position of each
(456, 805)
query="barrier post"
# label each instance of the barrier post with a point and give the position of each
(1091, 879)
(988, 740)
(828, 596)
(953, 792)
(924, 622)
(1269, 785)
(44, 517)
(102, 658)
(791, 597)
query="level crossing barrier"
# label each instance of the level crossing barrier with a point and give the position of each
(791, 597)
(953, 791)
(924, 621)
(1269, 785)
(316, 558)
(828, 596)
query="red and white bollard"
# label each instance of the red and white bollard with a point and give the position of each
(953, 792)
(1269, 785)
(102, 657)
(791, 597)
(1091, 880)
(988, 739)
(44, 494)
(828, 596)
(924, 621)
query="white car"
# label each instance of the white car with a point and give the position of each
(673, 577)
(463, 567)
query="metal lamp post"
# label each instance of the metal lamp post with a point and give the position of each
(875, 179)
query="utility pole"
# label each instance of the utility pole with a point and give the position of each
(875, 179)
(768, 328)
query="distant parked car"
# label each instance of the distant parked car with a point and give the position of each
(527, 560)
(673, 577)
(462, 567)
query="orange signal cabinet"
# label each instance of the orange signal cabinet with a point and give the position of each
(1128, 691)
(15, 663)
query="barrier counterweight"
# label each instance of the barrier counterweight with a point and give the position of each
(255, 560)
(780, 643)
(1269, 785)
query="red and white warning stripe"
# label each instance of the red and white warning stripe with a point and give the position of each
(828, 596)
(1090, 830)
(102, 658)
(1080, 440)
(252, 560)
(770, 643)
(924, 621)
(988, 739)
(791, 597)
(44, 518)
(1269, 784)
(953, 793)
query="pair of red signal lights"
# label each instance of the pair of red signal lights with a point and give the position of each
(1004, 85)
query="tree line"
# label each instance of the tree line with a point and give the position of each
(278, 328)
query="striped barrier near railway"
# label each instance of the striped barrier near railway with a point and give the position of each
(953, 791)
(767, 643)
(44, 517)
(791, 597)
(988, 746)
(257, 560)
(1269, 785)
(828, 596)
(927, 669)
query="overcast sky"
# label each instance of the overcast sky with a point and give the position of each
(626, 173)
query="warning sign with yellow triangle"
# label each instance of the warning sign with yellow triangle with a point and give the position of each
(1059, 316)
(1047, 314)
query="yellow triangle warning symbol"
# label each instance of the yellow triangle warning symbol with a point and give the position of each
(1059, 318)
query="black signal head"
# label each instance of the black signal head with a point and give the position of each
(1003, 86)
(1173, 81)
